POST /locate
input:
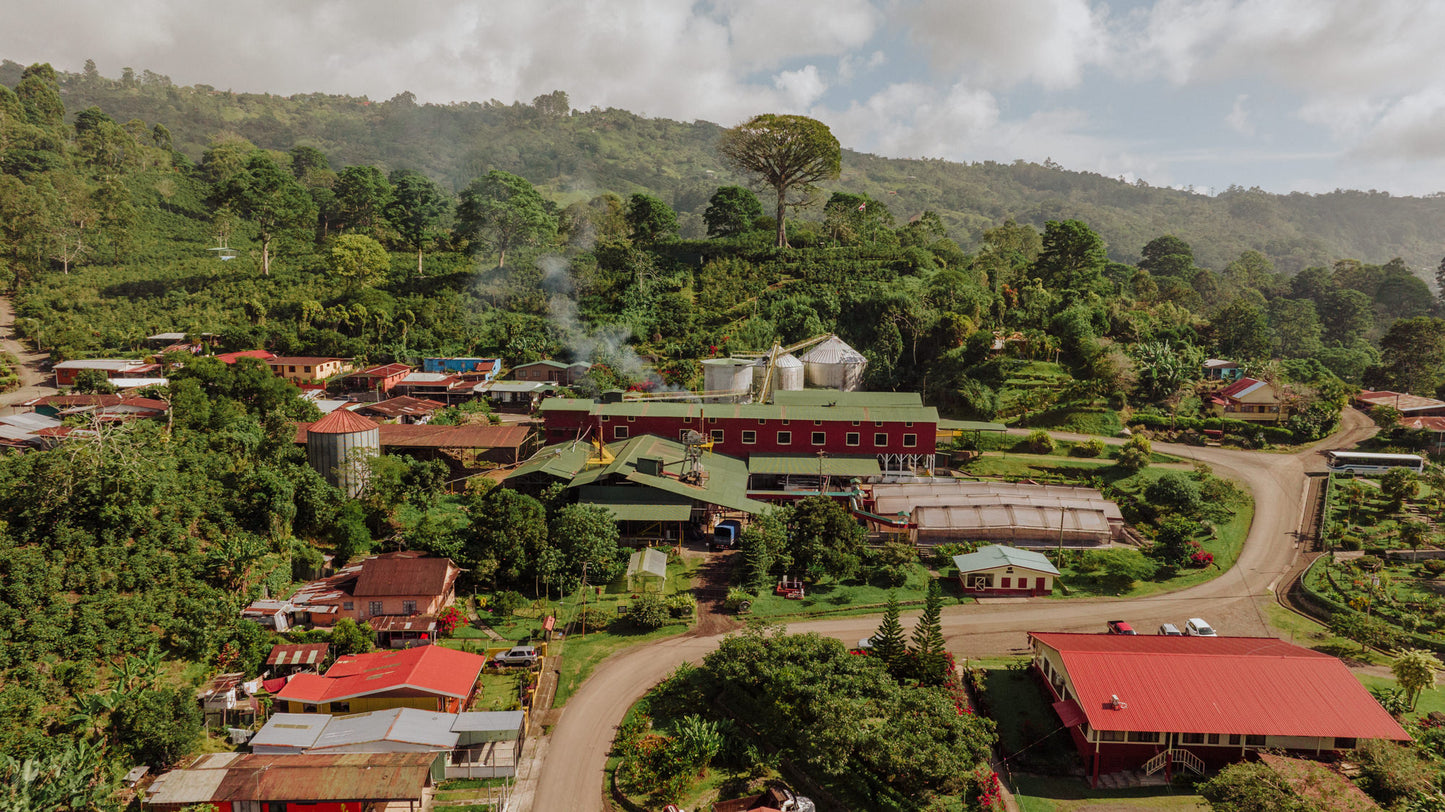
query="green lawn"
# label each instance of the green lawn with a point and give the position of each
(498, 692)
(838, 598)
(1430, 699)
(1302, 631)
(1038, 793)
(1028, 729)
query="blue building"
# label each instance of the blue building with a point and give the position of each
(483, 368)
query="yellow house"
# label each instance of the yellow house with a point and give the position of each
(307, 369)
(1252, 400)
(433, 678)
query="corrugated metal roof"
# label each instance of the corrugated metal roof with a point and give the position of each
(807, 464)
(567, 405)
(341, 421)
(404, 575)
(503, 722)
(109, 364)
(996, 555)
(296, 731)
(1235, 685)
(30, 421)
(403, 725)
(633, 504)
(837, 397)
(298, 654)
(833, 351)
(398, 435)
(297, 778)
(433, 669)
(1241, 387)
(562, 460)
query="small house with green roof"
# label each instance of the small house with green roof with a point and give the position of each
(996, 571)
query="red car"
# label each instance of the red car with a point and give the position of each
(1120, 627)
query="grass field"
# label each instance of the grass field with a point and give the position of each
(1038, 793)
(581, 654)
(1302, 631)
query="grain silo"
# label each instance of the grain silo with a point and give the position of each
(338, 446)
(727, 380)
(834, 365)
(787, 373)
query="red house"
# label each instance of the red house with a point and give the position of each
(378, 378)
(433, 678)
(1157, 702)
(895, 428)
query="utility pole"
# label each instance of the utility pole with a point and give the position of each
(584, 598)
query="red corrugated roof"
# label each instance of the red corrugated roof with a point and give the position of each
(231, 357)
(399, 435)
(433, 669)
(341, 421)
(298, 654)
(1239, 386)
(1244, 685)
(383, 371)
(400, 574)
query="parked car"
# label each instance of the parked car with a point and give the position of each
(518, 655)
(1170, 630)
(1120, 627)
(1197, 627)
(866, 644)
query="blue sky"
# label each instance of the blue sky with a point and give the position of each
(1288, 95)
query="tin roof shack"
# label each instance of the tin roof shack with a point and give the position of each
(467, 449)
(1157, 702)
(1218, 369)
(515, 397)
(237, 782)
(433, 678)
(1408, 405)
(65, 371)
(1005, 572)
(550, 372)
(380, 378)
(1252, 400)
(488, 744)
(294, 658)
(402, 409)
(1017, 514)
(435, 386)
(109, 408)
(229, 698)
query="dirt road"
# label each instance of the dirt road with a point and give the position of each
(572, 778)
(33, 382)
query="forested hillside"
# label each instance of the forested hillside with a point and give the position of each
(574, 155)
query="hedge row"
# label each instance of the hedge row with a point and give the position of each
(1415, 639)
(1274, 434)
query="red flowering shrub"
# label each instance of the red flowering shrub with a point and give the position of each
(448, 621)
(1203, 558)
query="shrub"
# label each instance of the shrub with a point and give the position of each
(735, 599)
(1203, 558)
(1177, 491)
(943, 554)
(681, 604)
(1039, 442)
(593, 617)
(1349, 544)
(1434, 566)
(503, 604)
(1134, 454)
(1088, 448)
(648, 611)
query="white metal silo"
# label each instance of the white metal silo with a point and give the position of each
(834, 365)
(727, 379)
(338, 447)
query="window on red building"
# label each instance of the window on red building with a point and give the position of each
(785, 438)
(880, 439)
(619, 433)
(819, 438)
(750, 437)
(852, 438)
(717, 435)
(910, 440)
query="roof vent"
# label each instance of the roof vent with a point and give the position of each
(1116, 703)
(649, 465)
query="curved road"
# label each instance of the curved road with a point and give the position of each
(572, 777)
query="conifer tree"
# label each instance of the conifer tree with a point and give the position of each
(889, 644)
(928, 637)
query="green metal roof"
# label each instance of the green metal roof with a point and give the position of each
(970, 425)
(996, 555)
(567, 405)
(769, 411)
(562, 460)
(824, 397)
(726, 484)
(632, 504)
(808, 464)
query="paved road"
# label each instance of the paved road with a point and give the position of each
(572, 777)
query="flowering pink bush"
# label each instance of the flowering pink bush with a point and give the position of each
(1202, 558)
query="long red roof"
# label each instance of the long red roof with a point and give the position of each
(433, 669)
(1243, 685)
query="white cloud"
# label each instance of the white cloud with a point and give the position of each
(1238, 118)
(801, 88)
(1009, 41)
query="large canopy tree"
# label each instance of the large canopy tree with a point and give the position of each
(506, 211)
(418, 211)
(270, 198)
(788, 153)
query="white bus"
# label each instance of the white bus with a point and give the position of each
(1363, 463)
